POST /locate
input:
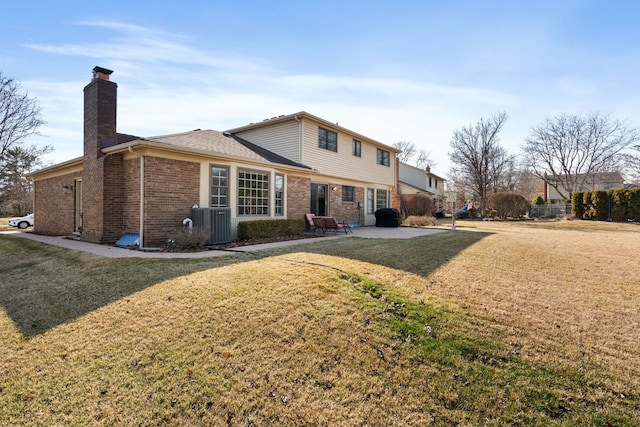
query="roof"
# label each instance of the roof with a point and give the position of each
(416, 187)
(303, 114)
(600, 177)
(203, 142)
(209, 142)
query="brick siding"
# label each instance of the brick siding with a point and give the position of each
(172, 187)
(54, 211)
(298, 196)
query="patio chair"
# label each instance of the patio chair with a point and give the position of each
(331, 223)
(319, 224)
(312, 226)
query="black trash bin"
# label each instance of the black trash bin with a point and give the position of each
(387, 217)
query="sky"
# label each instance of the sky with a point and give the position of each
(413, 70)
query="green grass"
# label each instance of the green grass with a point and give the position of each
(349, 332)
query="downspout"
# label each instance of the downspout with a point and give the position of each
(299, 138)
(141, 246)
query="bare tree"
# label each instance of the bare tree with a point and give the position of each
(567, 150)
(424, 159)
(19, 119)
(477, 159)
(407, 150)
(632, 163)
(19, 114)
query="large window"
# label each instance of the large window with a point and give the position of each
(219, 187)
(348, 193)
(279, 196)
(381, 199)
(327, 140)
(253, 193)
(357, 148)
(383, 157)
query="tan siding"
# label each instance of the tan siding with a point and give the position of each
(344, 163)
(281, 138)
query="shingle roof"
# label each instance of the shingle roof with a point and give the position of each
(222, 143)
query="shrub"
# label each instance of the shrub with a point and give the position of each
(508, 204)
(619, 204)
(258, 229)
(420, 204)
(188, 239)
(634, 204)
(538, 200)
(577, 205)
(599, 206)
(420, 221)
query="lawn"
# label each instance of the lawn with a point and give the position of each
(491, 324)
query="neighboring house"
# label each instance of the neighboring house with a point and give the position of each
(583, 182)
(279, 168)
(413, 180)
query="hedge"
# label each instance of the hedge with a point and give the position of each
(258, 229)
(618, 205)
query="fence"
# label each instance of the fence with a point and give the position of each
(549, 211)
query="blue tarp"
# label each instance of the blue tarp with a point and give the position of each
(128, 240)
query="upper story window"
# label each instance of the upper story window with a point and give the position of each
(382, 157)
(357, 148)
(429, 182)
(348, 193)
(327, 140)
(219, 187)
(253, 193)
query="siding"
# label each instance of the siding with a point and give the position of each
(414, 176)
(281, 138)
(343, 163)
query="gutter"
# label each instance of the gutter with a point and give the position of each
(299, 138)
(141, 196)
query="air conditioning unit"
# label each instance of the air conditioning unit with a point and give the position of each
(217, 222)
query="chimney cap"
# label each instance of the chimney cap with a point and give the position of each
(101, 73)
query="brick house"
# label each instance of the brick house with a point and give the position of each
(278, 168)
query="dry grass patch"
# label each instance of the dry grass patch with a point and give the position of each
(459, 328)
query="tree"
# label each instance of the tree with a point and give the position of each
(477, 159)
(15, 188)
(19, 119)
(407, 150)
(567, 150)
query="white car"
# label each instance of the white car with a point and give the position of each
(22, 221)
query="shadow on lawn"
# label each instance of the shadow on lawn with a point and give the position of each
(419, 255)
(42, 286)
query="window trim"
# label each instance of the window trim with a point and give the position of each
(211, 178)
(357, 148)
(383, 157)
(276, 193)
(325, 144)
(265, 209)
(352, 191)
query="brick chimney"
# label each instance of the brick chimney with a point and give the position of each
(102, 175)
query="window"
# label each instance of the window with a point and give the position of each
(253, 193)
(357, 148)
(348, 193)
(370, 201)
(327, 140)
(381, 199)
(219, 187)
(279, 199)
(383, 157)
(429, 182)
(436, 183)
